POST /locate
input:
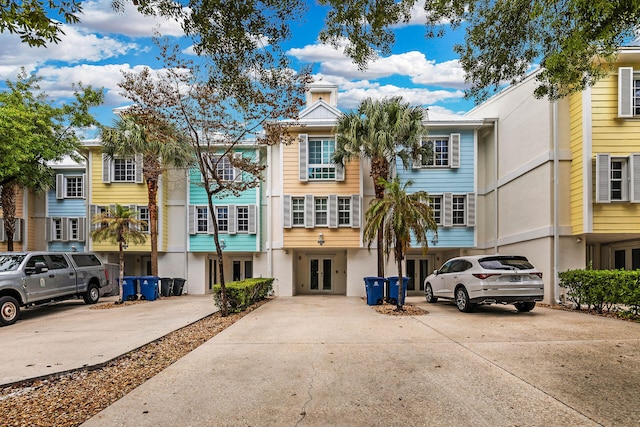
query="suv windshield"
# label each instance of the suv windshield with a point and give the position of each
(505, 263)
(10, 262)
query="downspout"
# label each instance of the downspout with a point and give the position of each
(269, 210)
(556, 215)
(186, 231)
(495, 188)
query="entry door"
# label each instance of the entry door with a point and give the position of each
(320, 270)
(417, 270)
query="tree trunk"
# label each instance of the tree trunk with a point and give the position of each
(8, 203)
(152, 191)
(379, 169)
(223, 289)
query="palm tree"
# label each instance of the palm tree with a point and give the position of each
(380, 130)
(401, 215)
(119, 225)
(159, 144)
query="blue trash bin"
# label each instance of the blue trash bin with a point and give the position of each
(392, 290)
(149, 287)
(129, 288)
(375, 290)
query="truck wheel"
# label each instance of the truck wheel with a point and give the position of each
(9, 310)
(92, 295)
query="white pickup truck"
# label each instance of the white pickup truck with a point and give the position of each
(34, 278)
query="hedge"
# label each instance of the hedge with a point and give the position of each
(603, 289)
(242, 294)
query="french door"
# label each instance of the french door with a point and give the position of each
(320, 274)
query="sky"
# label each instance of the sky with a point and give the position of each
(96, 51)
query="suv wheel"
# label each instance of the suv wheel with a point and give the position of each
(462, 300)
(92, 295)
(428, 294)
(525, 306)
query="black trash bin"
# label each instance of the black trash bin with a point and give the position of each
(178, 284)
(166, 286)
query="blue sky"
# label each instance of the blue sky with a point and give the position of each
(422, 71)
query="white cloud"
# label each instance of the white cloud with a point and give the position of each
(413, 64)
(100, 17)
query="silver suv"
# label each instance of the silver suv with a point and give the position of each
(486, 279)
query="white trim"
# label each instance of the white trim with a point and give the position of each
(587, 162)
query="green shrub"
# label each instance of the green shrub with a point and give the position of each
(241, 295)
(602, 289)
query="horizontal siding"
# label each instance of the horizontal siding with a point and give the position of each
(440, 180)
(66, 246)
(576, 174)
(293, 185)
(109, 194)
(198, 195)
(334, 238)
(233, 242)
(453, 237)
(65, 207)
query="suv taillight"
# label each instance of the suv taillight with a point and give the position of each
(483, 276)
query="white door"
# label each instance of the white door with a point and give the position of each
(320, 278)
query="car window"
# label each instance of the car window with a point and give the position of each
(446, 267)
(58, 262)
(36, 258)
(85, 260)
(10, 262)
(505, 263)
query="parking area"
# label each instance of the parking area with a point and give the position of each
(70, 334)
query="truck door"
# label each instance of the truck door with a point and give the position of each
(39, 285)
(64, 275)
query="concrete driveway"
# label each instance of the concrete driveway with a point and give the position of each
(322, 360)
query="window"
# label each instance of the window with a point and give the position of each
(436, 207)
(124, 170)
(297, 210)
(143, 215)
(224, 169)
(321, 211)
(242, 219)
(74, 230)
(57, 229)
(315, 159)
(222, 216)
(74, 186)
(617, 178)
(58, 262)
(439, 155)
(321, 164)
(202, 219)
(444, 152)
(344, 211)
(458, 210)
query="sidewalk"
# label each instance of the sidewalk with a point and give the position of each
(332, 360)
(70, 334)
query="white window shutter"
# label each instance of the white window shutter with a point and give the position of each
(634, 170)
(232, 219)
(333, 211)
(447, 205)
(286, 211)
(603, 178)
(93, 211)
(625, 92)
(84, 185)
(339, 172)
(60, 187)
(303, 158)
(471, 209)
(252, 219)
(355, 211)
(81, 228)
(17, 232)
(139, 163)
(106, 169)
(192, 219)
(454, 140)
(309, 217)
(48, 226)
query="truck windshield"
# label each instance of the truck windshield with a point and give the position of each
(10, 262)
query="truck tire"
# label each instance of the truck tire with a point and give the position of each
(92, 295)
(9, 310)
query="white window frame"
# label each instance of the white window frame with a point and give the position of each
(325, 169)
(458, 210)
(242, 219)
(297, 212)
(321, 211)
(445, 152)
(201, 219)
(436, 207)
(344, 211)
(628, 176)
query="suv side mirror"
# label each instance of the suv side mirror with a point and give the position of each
(435, 272)
(40, 267)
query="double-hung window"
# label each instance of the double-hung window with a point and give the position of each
(242, 219)
(297, 211)
(436, 208)
(202, 219)
(224, 169)
(321, 211)
(454, 210)
(69, 187)
(316, 159)
(124, 170)
(143, 215)
(222, 216)
(344, 211)
(56, 229)
(74, 229)
(442, 152)
(617, 178)
(458, 210)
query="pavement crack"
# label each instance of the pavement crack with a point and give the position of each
(303, 411)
